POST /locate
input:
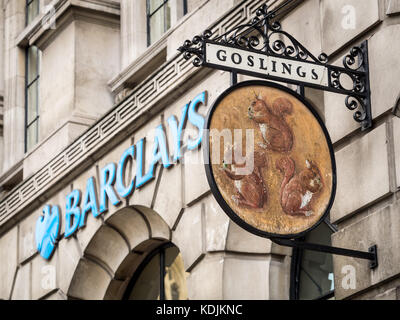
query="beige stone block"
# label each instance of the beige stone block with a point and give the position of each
(279, 278)
(168, 202)
(2, 53)
(2, 156)
(26, 241)
(44, 276)
(193, 161)
(59, 295)
(59, 199)
(116, 290)
(303, 23)
(240, 240)
(61, 76)
(197, 23)
(158, 227)
(379, 228)
(212, 269)
(132, 225)
(382, 57)
(338, 119)
(133, 32)
(145, 194)
(22, 287)
(387, 295)
(188, 236)
(90, 281)
(242, 284)
(109, 247)
(114, 156)
(9, 254)
(85, 234)
(129, 266)
(68, 255)
(52, 146)
(342, 21)
(396, 134)
(216, 225)
(392, 7)
(97, 61)
(13, 139)
(360, 180)
(317, 100)
(196, 184)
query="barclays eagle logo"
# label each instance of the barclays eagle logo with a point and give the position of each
(47, 231)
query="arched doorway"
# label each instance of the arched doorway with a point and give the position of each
(161, 276)
(126, 257)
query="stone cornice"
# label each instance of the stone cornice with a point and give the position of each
(133, 73)
(36, 30)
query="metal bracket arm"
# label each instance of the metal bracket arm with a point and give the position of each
(371, 255)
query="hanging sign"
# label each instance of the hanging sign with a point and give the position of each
(269, 160)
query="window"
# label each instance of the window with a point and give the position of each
(33, 55)
(161, 276)
(32, 10)
(161, 15)
(312, 271)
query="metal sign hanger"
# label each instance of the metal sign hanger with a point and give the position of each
(262, 49)
(285, 59)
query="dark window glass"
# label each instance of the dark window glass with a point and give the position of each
(32, 10)
(148, 284)
(161, 14)
(312, 271)
(32, 97)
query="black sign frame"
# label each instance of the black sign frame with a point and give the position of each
(355, 66)
(208, 164)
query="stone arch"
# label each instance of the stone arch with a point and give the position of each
(115, 251)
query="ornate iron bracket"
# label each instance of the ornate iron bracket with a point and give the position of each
(264, 36)
(371, 255)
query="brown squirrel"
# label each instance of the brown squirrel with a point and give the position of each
(251, 190)
(276, 132)
(297, 192)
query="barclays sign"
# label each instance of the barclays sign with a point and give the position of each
(112, 187)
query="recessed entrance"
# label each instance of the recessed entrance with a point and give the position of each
(161, 276)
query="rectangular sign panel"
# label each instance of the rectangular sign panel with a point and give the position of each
(265, 65)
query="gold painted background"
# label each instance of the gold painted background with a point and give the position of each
(309, 143)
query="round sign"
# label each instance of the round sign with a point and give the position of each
(269, 160)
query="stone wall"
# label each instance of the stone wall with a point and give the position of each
(177, 205)
(366, 205)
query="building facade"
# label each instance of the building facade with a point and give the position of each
(89, 88)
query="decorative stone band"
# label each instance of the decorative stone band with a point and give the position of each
(168, 77)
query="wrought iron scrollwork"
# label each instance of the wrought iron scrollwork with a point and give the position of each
(195, 48)
(264, 35)
(358, 95)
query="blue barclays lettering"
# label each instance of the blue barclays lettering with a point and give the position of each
(113, 186)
